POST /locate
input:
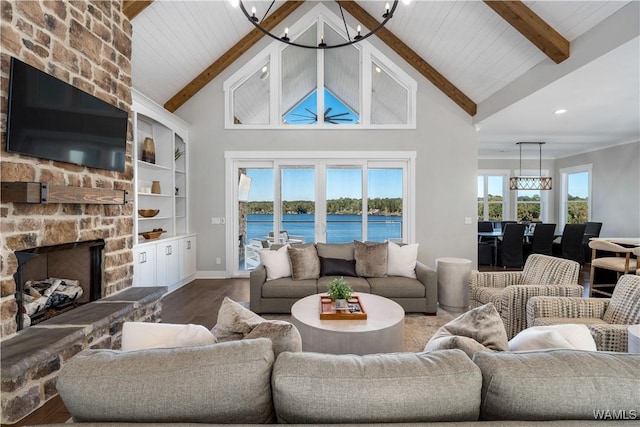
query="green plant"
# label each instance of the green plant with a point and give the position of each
(177, 153)
(339, 289)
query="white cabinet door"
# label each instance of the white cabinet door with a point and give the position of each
(168, 263)
(187, 257)
(144, 268)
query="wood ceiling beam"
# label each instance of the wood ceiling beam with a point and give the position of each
(533, 28)
(132, 8)
(411, 57)
(231, 55)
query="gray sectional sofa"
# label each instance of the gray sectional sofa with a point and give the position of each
(242, 382)
(419, 295)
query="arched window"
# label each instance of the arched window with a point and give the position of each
(291, 87)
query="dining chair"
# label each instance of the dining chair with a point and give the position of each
(592, 230)
(510, 251)
(503, 224)
(571, 243)
(542, 239)
(621, 263)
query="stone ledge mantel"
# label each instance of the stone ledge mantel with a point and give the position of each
(31, 359)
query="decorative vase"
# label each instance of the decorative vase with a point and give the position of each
(155, 187)
(341, 304)
(148, 151)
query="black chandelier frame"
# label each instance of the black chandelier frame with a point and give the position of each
(322, 45)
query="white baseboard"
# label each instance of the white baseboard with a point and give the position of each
(212, 275)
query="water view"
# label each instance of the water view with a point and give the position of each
(340, 228)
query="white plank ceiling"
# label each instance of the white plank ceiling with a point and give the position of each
(466, 41)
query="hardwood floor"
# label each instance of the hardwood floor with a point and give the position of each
(198, 303)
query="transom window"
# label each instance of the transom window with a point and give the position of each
(291, 87)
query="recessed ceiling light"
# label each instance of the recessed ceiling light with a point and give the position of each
(378, 70)
(560, 111)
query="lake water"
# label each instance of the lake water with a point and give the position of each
(340, 228)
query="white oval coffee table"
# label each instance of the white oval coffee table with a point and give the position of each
(381, 332)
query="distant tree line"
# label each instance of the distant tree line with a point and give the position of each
(578, 208)
(343, 205)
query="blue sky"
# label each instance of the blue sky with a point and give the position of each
(311, 103)
(298, 184)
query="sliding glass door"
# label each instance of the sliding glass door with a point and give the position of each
(306, 201)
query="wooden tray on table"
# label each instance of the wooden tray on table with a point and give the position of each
(328, 309)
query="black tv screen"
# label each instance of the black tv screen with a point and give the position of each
(51, 119)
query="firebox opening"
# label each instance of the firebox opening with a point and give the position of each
(53, 279)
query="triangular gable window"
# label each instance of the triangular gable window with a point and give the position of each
(291, 87)
(336, 112)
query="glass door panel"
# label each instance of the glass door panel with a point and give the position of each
(344, 204)
(384, 205)
(255, 214)
(298, 208)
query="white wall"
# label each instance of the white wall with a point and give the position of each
(616, 187)
(445, 143)
(615, 181)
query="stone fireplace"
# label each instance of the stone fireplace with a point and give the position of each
(54, 279)
(87, 44)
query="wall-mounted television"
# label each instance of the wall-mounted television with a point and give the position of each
(51, 119)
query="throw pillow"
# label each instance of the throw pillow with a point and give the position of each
(337, 267)
(237, 323)
(402, 260)
(570, 336)
(283, 335)
(371, 259)
(304, 263)
(143, 335)
(276, 262)
(481, 324)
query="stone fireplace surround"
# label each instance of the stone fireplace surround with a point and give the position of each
(86, 43)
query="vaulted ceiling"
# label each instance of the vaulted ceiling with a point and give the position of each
(504, 63)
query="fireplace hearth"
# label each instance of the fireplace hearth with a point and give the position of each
(51, 280)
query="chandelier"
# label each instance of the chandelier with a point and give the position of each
(539, 182)
(387, 15)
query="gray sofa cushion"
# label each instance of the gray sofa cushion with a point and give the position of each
(358, 284)
(397, 287)
(286, 287)
(219, 383)
(557, 384)
(335, 250)
(396, 387)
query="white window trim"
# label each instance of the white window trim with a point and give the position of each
(564, 190)
(374, 159)
(272, 54)
(505, 173)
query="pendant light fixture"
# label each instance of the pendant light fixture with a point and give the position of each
(539, 182)
(386, 16)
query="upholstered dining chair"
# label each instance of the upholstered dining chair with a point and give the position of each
(607, 318)
(591, 230)
(542, 239)
(621, 263)
(509, 291)
(510, 251)
(570, 246)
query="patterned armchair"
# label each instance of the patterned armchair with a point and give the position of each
(509, 291)
(606, 318)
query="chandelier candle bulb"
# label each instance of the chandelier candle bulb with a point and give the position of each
(389, 10)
